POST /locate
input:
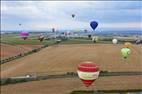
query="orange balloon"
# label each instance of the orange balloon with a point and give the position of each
(128, 44)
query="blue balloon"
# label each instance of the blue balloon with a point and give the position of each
(93, 24)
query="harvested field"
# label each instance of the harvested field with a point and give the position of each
(12, 50)
(65, 86)
(65, 58)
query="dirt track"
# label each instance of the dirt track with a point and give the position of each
(64, 58)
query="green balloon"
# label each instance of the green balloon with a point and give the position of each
(125, 52)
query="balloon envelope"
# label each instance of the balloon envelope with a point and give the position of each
(53, 30)
(93, 24)
(88, 72)
(41, 37)
(95, 38)
(128, 44)
(73, 15)
(125, 52)
(138, 41)
(114, 41)
(85, 31)
(24, 35)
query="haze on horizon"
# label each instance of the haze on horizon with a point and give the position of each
(44, 15)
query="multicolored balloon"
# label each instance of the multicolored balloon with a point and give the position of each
(125, 52)
(24, 35)
(93, 24)
(88, 72)
(41, 37)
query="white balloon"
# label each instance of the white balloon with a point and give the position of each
(114, 41)
(95, 38)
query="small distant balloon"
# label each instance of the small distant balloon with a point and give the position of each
(73, 15)
(125, 52)
(93, 24)
(24, 35)
(88, 72)
(128, 44)
(53, 30)
(95, 39)
(89, 36)
(138, 41)
(20, 24)
(58, 41)
(41, 38)
(85, 31)
(114, 41)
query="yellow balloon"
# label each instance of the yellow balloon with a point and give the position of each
(128, 44)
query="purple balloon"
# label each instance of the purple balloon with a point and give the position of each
(24, 34)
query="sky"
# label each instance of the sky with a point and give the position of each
(44, 15)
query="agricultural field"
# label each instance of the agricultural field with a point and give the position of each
(65, 58)
(12, 50)
(91, 47)
(15, 39)
(67, 85)
(12, 45)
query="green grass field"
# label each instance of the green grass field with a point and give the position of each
(15, 39)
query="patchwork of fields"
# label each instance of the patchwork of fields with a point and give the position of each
(65, 58)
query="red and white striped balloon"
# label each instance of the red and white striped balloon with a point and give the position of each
(88, 72)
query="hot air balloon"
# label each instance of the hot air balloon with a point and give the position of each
(89, 36)
(88, 72)
(85, 31)
(138, 41)
(58, 41)
(114, 41)
(128, 44)
(41, 37)
(95, 39)
(73, 15)
(53, 30)
(24, 35)
(125, 52)
(93, 24)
